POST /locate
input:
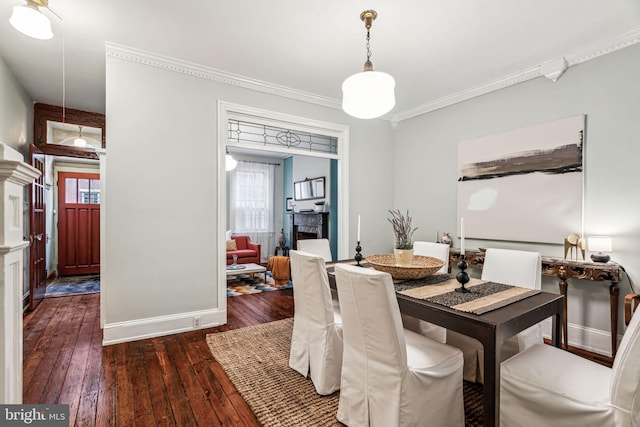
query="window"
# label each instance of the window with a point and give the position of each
(251, 197)
(82, 191)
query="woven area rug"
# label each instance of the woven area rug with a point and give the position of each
(256, 359)
(73, 285)
(245, 284)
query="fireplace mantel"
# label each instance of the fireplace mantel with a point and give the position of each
(308, 225)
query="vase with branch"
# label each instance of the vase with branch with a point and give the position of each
(403, 233)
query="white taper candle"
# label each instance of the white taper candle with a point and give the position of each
(461, 236)
(358, 228)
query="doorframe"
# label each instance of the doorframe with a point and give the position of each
(228, 110)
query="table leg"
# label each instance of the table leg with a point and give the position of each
(556, 331)
(565, 326)
(613, 300)
(491, 388)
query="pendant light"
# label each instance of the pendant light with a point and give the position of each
(80, 141)
(29, 20)
(368, 94)
(230, 162)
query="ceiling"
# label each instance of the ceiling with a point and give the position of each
(435, 49)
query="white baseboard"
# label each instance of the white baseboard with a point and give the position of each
(114, 333)
(593, 340)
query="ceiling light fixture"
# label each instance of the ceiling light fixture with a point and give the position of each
(80, 141)
(368, 94)
(29, 19)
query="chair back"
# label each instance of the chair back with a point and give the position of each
(311, 292)
(241, 242)
(625, 380)
(373, 336)
(316, 246)
(436, 250)
(316, 340)
(518, 268)
(512, 267)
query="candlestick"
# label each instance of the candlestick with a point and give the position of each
(358, 237)
(358, 255)
(462, 277)
(461, 236)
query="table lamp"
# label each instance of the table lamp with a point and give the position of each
(600, 244)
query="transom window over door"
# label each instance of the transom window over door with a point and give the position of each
(252, 188)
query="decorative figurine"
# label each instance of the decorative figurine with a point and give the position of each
(446, 239)
(573, 241)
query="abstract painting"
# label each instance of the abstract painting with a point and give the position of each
(524, 184)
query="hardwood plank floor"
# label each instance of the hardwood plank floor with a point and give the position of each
(165, 381)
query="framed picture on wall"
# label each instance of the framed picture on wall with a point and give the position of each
(289, 204)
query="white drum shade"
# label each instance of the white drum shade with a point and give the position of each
(29, 20)
(368, 94)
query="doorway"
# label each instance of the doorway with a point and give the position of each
(227, 111)
(76, 138)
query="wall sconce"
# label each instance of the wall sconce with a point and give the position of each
(600, 244)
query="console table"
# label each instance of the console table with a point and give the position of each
(564, 269)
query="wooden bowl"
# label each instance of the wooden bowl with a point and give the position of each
(421, 266)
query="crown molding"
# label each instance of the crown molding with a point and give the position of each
(591, 52)
(166, 63)
(176, 65)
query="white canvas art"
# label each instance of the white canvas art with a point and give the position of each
(525, 184)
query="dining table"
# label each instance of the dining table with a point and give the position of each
(491, 328)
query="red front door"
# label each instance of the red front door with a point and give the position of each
(78, 223)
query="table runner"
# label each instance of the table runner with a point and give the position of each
(440, 288)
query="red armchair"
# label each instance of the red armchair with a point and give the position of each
(248, 251)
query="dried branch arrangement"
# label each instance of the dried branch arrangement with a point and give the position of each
(402, 229)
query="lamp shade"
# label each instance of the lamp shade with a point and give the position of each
(600, 244)
(30, 21)
(230, 163)
(368, 94)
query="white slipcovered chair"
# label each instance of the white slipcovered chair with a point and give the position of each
(440, 251)
(544, 385)
(316, 342)
(509, 267)
(391, 376)
(316, 246)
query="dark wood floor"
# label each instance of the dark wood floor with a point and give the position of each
(165, 381)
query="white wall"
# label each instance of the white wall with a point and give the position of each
(16, 112)
(607, 91)
(161, 239)
(16, 130)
